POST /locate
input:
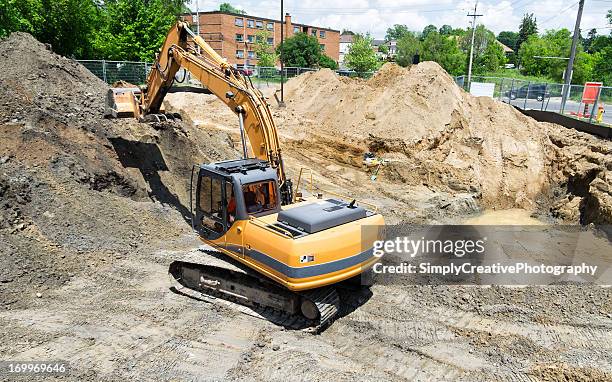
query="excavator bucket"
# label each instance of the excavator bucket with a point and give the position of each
(123, 103)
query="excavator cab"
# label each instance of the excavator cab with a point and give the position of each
(232, 190)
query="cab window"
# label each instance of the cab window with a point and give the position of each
(260, 197)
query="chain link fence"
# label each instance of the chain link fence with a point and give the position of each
(111, 71)
(548, 97)
(522, 93)
(136, 72)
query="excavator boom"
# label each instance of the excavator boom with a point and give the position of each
(183, 49)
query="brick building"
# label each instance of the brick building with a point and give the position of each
(232, 35)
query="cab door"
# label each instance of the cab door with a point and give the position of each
(210, 218)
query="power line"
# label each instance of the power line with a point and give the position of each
(559, 13)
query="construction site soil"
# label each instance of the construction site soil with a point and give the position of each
(92, 211)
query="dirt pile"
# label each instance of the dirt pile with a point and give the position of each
(77, 190)
(435, 134)
(38, 84)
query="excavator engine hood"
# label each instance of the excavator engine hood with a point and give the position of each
(321, 215)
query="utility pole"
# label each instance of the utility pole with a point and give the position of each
(197, 17)
(474, 15)
(198, 21)
(570, 64)
(282, 21)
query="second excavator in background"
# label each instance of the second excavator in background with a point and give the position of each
(247, 209)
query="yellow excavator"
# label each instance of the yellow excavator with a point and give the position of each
(247, 209)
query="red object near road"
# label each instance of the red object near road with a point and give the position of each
(589, 94)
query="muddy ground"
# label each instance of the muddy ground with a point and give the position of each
(93, 211)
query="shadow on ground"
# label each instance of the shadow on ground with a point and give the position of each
(352, 294)
(148, 159)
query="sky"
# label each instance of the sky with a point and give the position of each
(375, 16)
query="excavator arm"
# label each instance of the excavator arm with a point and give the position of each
(183, 49)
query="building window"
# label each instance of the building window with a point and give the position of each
(251, 23)
(270, 40)
(270, 26)
(322, 46)
(322, 34)
(240, 54)
(251, 54)
(259, 24)
(239, 21)
(239, 37)
(251, 38)
(296, 29)
(314, 32)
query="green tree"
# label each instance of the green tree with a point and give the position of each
(531, 65)
(602, 66)
(427, 30)
(584, 68)
(588, 42)
(361, 56)
(446, 30)
(556, 43)
(20, 16)
(67, 25)
(445, 51)
(396, 32)
(383, 48)
(327, 62)
(599, 43)
(407, 47)
(135, 29)
(508, 38)
(300, 50)
(227, 7)
(527, 28)
(488, 53)
(266, 56)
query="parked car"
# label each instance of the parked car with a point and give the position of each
(345, 72)
(531, 91)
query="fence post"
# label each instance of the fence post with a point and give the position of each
(104, 71)
(544, 96)
(526, 95)
(510, 92)
(501, 90)
(569, 92)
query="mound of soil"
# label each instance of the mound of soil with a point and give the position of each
(438, 136)
(77, 190)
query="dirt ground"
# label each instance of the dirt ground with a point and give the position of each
(93, 211)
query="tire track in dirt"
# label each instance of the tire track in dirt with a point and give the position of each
(123, 322)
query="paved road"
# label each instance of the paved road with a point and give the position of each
(554, 104)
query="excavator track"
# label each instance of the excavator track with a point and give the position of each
(215, 278)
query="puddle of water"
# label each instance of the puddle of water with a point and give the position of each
(514, 216)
